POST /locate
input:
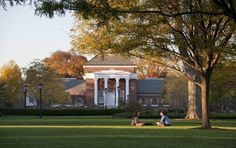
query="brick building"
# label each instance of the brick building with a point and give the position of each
(110, 81)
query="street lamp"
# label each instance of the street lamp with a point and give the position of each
(25, 93)
(40, 86)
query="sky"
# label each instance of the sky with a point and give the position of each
(25, 36)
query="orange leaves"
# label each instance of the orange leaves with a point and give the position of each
(66, 64)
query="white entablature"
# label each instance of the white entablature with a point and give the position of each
(111, 74)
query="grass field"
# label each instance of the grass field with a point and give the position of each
(108, 132)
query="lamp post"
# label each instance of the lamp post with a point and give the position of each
(25, 94)
(40, 86)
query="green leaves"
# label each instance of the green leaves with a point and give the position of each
(10, 79)
(53, 89)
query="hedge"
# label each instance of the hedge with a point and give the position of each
(174, 115)
(148, 116)
(101, 112)
(223, 115)
(57, 112)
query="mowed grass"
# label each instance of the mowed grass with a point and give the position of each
(108, 132)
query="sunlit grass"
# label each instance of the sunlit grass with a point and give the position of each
(111, 127)
(66, 132)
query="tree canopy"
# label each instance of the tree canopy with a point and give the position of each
(66, 64)
(53, 89)
(104, 8)
(197, 40)
(223, 87)
(10, 79)
(147, 69)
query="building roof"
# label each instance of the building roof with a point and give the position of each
(78, 90)
(110, 60)
(74, 86)
(150, 86)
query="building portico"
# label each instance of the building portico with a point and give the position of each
(111, 86)
(107, 85)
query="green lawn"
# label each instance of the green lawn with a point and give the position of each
(108, 132)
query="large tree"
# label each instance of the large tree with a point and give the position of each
(195, 41)
(53, 89)
(10, 79)
(66, 64)
(2, 93)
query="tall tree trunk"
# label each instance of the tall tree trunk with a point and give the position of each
(205, 99)
(193, 107)
(192, 101)
(199, 102)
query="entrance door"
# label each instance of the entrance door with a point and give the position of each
(111, 99)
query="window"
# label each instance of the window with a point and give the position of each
(154, 101)
(81, 101)
(143, 101)
(122, 98)
(31, 100)
(100, 97)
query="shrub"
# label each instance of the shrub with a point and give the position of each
(132, 106)
(173, 114)
(148, 115)
(57, 112)
(223, 116)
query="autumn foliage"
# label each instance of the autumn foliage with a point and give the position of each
(66, 64)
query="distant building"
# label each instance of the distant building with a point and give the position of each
(149, 91)
(76, 88)
(31, 102)
(110, 81)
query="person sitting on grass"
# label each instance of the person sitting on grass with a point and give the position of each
(135, 121)
(165, 120)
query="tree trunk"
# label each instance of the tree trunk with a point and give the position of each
(205, 96)
(199, 102)
(192, 101)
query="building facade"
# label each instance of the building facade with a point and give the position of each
(110, 82)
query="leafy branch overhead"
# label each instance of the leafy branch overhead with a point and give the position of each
(104, 8)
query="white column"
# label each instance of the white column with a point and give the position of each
(126, 88)
(117, 90)
(96, 91)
